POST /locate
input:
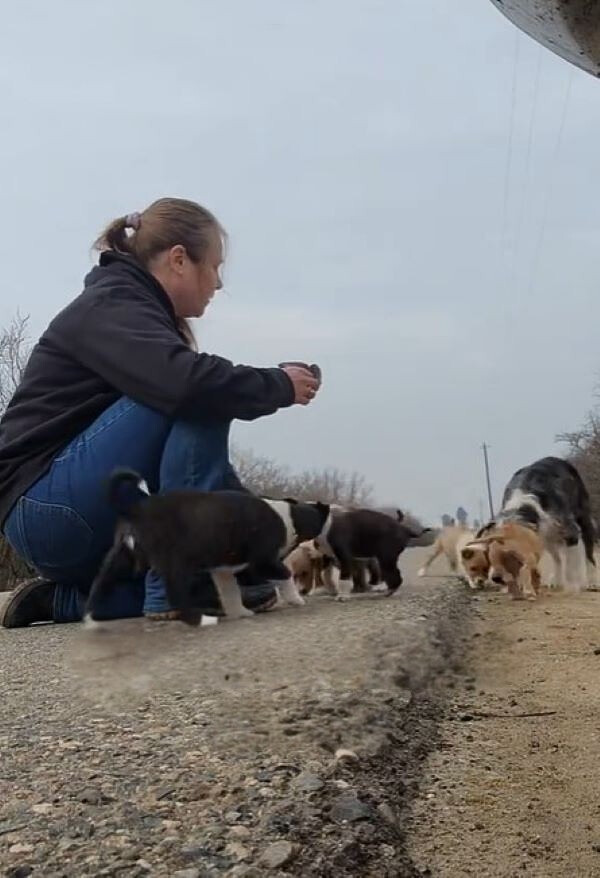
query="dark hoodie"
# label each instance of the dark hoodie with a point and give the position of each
(118, 338)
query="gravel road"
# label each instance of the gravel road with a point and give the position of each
(151, 749)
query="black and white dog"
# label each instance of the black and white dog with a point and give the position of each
(364, 534)
(184, 533)
(550, 497)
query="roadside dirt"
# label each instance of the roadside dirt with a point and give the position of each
(509, 792)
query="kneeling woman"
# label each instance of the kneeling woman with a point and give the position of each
(115, 381)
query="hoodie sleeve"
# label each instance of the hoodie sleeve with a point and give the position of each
(135, 348)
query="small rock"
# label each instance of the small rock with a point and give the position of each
(342, 784)
(244, 871)
(387, 812)
(20, 848)
(91, 796)
(277, 854)
(193, 850)
(239, 831)
(308, 783)
(348, 809)
(597, 650)
(144, 864)
(20, 871)
(42, 808)
(187, 873)
(233, 816)
(237, 850)
(344, 755)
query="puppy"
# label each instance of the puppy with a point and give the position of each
(449, 543)
(474, 563)
(363, 534)
(304, 563)
(183, 533)
(515, 552)
(550, 497)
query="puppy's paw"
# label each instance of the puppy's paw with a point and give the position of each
(244, 613)
(342, 598)
(422, 572)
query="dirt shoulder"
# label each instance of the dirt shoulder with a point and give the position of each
(510, 792)
(155, 750)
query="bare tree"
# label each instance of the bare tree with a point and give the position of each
(584, 452)
(14, 353)
(266, 477)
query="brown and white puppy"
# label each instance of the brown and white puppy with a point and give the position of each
(305, 564)
(475, 563)
(515, 552)
(449, 543)
(312, 569)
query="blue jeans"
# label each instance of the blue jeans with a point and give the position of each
(63, 526)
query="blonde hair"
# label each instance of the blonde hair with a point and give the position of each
(164, 224)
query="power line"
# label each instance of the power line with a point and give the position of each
(550, 186)
(529, 150)
(510, 146)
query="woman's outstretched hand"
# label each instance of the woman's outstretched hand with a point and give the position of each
(306, 386)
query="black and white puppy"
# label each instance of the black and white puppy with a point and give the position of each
(362, 534)
(183, 533)
(550, 497)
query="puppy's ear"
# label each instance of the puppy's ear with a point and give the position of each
(512, 562)
(399, 515)
(493, 538)
(291, 500)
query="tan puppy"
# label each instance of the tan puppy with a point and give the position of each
(449, 543)
(475, 563)
(304, 564)
(514, 552)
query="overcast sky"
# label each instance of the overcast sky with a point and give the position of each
(386, 219)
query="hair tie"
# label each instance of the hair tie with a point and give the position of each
(133, 221)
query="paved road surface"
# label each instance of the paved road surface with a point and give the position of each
(151, 749)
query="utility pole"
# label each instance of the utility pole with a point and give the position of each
(487, 478)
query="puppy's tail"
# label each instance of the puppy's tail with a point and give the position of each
(416, 535)
(126, 490)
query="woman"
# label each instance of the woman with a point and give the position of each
(115, 381)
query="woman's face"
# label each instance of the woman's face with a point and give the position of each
(190, 285)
